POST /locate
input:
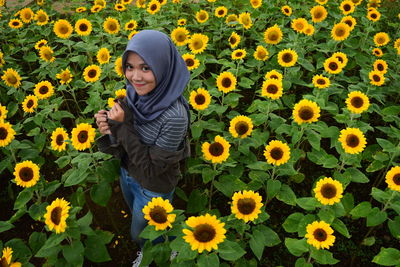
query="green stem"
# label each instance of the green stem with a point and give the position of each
(210, 193)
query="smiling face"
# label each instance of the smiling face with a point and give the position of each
(139, 74)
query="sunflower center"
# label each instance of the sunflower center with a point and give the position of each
(299, 26)
(153, 7)
(333, 66)
(47, 54)
(396, 179)
(306, 113)
(352, 140)
(63, 29)
(287, 57)
(158, 214)
(83, 136)
(29, 104)
(272, 89)
(349, 22)
(261, 54)
(83, 27)
(241, 128)
(198, 44)
(232, 40)
(328, 191)
(26, 174)
(112, 26)
(181, 37)
(43, 90)
(286, 10)
(12, 79)
(246, 205)
(340, 59)
(202, 16)
(239, 54)
(220, 12)
(216, 149)
(276, 153)
(15, 23)
(42, 18)
(3, 133)
(226, 82)
(321, 82)
(320, 235)
(273, 36)
(41, 44)
(380, 67)
(374, 16)
(346, 7)
(59, 140)
(189, 62)
(56, 215)
(376, 78)
(340, 32)
(200, 99)
(357, 102)
(380, 40)
(3, 262)
(204, 233)
(92, 73)
(318, 14)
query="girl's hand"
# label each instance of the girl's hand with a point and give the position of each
(116, 113)
(101, 121)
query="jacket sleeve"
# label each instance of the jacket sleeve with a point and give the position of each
(105, 145)
(150, 161)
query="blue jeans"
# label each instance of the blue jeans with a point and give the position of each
(137, 197)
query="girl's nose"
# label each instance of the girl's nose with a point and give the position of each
(136, 75)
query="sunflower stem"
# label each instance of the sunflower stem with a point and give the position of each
(309, 258)
(386, 169)
(389, 200)
(210, 193)
(273, 173)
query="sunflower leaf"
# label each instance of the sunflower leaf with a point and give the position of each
(376, 217)
(296, 246)
(230, 251)
(323, 256)
(208, 260)
(387, 257)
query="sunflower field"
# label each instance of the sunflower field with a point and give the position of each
(295, 133)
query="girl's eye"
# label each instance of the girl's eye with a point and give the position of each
(145, 68)
(128, 67)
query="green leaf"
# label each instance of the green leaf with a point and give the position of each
(197, 202)
(379, 195)
(287, 195)
(356, 175)
(376, 165)
(323, 256)
(63, 161)
(77, 176)
(348, 202)
(53, 241)
(101, 193)
(36, 241)
(327, 214)
(394, 227)
(308, 203)
(23, 197)
(95, 250)
(257, 244)
(273, 187)
(73, 253)
(314, 139)
(306, 64)
(230, 251)
(291, 224)
(387, 257)
(227, 184)
(376, 217)
(149, 232)
(339, 226)
(386, 145)
(361, 210)
(369, 241)
(196, 129)
(208, 174)
(185, 252)
(301, 262)
(296, 246)
(208, 260)
(5, 226)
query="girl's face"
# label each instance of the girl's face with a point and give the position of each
(139, 74)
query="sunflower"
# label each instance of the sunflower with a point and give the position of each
(216, 152)
(111, 25)
(96, 8)
(221, 12)
(103, 56)
(119, 7)
(347, 7)
(256, 3)
(153, 7)
(11, 78)
(232, 20)
(118, 67)
(318, 13)
(26, 173)
(83, 27)
(340, 31)
(92, 73)
(158, 213)
(273, 74)
(342, 57)
(141, 3)
(309, 30)
(120, 94)
(349, 20)
(44, 89)
(393, 178)
(299, 24)
(40, 2)
(40, 43)
(238, 54)
(247, 205)
(3, 113)
(202, 16)
(306, 111)
(101, 3)
(261, 53)
(357, 102)
(5, 259)
(30, 103)
(191, 61)
(80, 9)
(226, 82)
(57, 214)
(65, 76)
(198, 43)
(200, 99)
(287, 57)
(377, 52)
(321, 2)
(381, 39)
(2, 61)
(58, 137)
(131, 34)
(126, 2)
(26, 15)
(277, 152)
(381, 66)
(7, 133)
(245, 20)
(374, 3)
(356, 2)
(41, 17)
(272, 88)
(397, 43)
(286, 10)
(373, 15)
(163, 2)
(319, 235)
(352, 140)
(241, 126)
(321, 81)
(328, 191)
(180, 36)
(46, 53)
(15, 23)
(181, 22)
(332, 65)
(207, 232)
(273, 35)
(234, 39)
(131, 25)
(82, 136)
(111, 102)
(62, 28)
(376, 78)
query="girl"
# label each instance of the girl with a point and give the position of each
(147, 129)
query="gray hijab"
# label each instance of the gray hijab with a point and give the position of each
(170, 71)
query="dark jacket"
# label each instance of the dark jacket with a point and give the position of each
(154, 168)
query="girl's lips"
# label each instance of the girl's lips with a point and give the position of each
(138, 85)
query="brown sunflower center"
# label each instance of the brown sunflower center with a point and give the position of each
(239, 54)
(357, 102)
(346, 7)
(261, 54)
(189, 62)
(348, 22)
(59, 140)
(153, 7)
(221, 12)
(381, 40)
(286, 10)
(320, 235)
(202, 16)
(318, 14)
(158, 214)
(380, 67)
(83, 27)
(328, 191)
(200, 99)
(197, 44)
(42, 18)
(376, 78)
(226, 82)
(92, 73)
(130, 25)
(340, 59)
(56, 215)
(181, 37)
(246, 205)
(104, 57)
(3, 133)
(299, 26)
(321, 81)
(83, 136)
(40, 45)
(204, 233)
(232, 40)
(15, 23)
(63, 29)
(26, 174)
(287, 57)
(333, 66)
(396, 179)
(306, 113)
(373, 15)
(216, 149)
(47, 54)
(276, 153)
(272, 89)
(241, 127)
(43, 90)
(112, 26)
(352, 140)
(273, 36)
(340, 32)
(29, 104)
(12, 79)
